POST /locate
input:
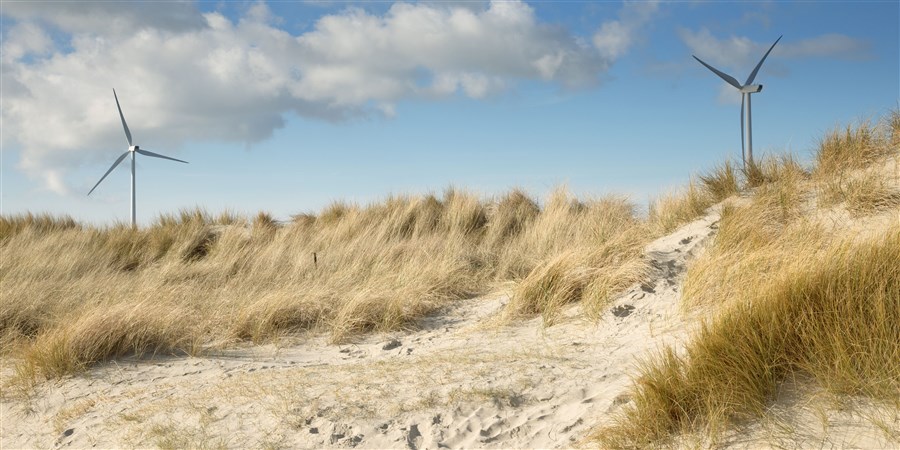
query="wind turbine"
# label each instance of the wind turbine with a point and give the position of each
(132, 149)
(746, 89)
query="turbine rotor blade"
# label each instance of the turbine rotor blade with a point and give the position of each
(157, 155)
(753, 74)
(108, 171)
(121, 116)
(728, 78)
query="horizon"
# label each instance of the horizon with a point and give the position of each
(286, 107)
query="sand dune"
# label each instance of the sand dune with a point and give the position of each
(459, 381)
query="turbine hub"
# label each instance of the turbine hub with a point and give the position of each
(133, 148)
(751, 88)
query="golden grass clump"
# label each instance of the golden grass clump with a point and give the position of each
(510, 216)
(350, 269)
(770, 169)
(36, 223)
(602, 255)
(98, 334)
(851, 148)
(864, 192)
(850, 167)
(673, 210)
(721, 182)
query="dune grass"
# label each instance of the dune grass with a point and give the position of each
(856, 146)
(600, 254)
(865, 192)
(75, 295)
(838, 322)
(791, 298)
(848, 170)
(674, 209)
(348, 270)
(721, 182)
(772, 168)
(669, 211)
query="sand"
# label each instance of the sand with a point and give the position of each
(459, 381)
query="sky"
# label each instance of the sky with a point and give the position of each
(288, 106)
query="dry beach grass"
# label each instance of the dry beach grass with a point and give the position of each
(796, 294)
(75, 295)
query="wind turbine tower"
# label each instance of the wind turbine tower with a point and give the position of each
(746, 89)
(132, 150)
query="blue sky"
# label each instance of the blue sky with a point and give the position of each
(287, 106)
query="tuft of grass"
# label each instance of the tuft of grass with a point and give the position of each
(100, 334)
(590, 274)
(771, 169)
(464, 214)
(303, 219)
(36, 223)
(848, 171)
(893, 124)
(865, 192)
(511, 215)
(335, 212)
(721, 182)
(675, 209)
(598, 253)
(853, 147)
(264, 220)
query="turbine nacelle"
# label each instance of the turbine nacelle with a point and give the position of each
(751, 88)
(134, 148)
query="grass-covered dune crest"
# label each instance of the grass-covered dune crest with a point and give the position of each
(75, 295)
(803, 282)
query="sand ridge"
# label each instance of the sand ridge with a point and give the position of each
(457, 381)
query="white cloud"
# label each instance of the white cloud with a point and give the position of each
(833, 45)
(615, 37)
(185, 76)
(108, 18)
(55, 182)
(24, 39)
(728, 95)
(729, 53)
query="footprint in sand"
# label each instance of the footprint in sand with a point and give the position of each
(622, 310)
(413, 437)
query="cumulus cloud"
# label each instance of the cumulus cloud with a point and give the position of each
(107, 18)
(25, 39)
(833, 45)
(728, 53)
(182, 75)
(615, 37)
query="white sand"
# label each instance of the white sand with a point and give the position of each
(458, 382)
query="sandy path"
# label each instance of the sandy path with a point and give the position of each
(456, 382)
